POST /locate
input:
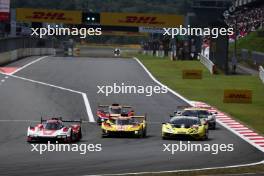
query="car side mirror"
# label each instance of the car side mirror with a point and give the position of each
(213, 113)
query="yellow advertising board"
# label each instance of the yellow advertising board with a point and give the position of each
(237, 96)
(192, 74)
(48, 16)
(141, 19)
(122, 33)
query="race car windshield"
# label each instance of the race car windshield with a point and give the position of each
(115, 110)
(125, 122)
(203, 114)
(190, 113)
(196, 113)
(186, 122)
(53, 126)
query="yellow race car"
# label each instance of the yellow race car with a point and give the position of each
(203, 114)
(184, 126)
(125, 126)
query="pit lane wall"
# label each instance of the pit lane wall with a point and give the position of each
(12, 49)
(261, 73)
(9, 56)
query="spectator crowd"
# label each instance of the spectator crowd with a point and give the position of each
(246, 20)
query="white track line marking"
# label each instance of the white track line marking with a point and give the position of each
(155, 80)
(85, 99)
(184, 170)
(249, 140)
(30, 63)
(88, 108)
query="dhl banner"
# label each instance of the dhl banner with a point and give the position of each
(49, 16)
(141, 19)
(192, 74)
(237, 96)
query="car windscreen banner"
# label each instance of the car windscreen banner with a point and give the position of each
(4, 10)
(141, 19)
(48, 16)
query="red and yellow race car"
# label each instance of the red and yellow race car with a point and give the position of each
(104, 112)
(125, 126)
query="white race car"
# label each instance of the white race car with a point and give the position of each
(54, 129)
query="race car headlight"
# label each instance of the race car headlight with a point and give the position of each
(62, 136)
(136, 132)
(168, 130)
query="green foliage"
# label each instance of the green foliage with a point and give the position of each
(252, 42)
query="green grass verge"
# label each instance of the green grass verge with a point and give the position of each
(252, 42)
(249, 169)
(211, 88)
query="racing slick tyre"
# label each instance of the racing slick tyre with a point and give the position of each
(163, 136)
(206, 136)
(29, 139)
(145, 133)
(99, 122)
(70, 138)
(80, 134)
(214, 126)
(104, 134)
(141, 134)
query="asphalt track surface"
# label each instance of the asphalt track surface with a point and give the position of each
(25, 100)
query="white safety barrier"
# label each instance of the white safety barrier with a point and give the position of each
(208, 64)
(13, 55)
(261, 73)
(160, 53)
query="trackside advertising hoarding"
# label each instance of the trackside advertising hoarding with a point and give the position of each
(49, 16)
(141, 19)
(4, 10)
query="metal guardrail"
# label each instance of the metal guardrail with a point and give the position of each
(258, 57)
(208, 64)
(245, 54)
(261, 73)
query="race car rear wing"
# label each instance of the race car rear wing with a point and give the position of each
(183, 107)
(106, 106)
(141, 118)
(60, 118)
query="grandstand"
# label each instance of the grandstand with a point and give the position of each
(246, 16)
